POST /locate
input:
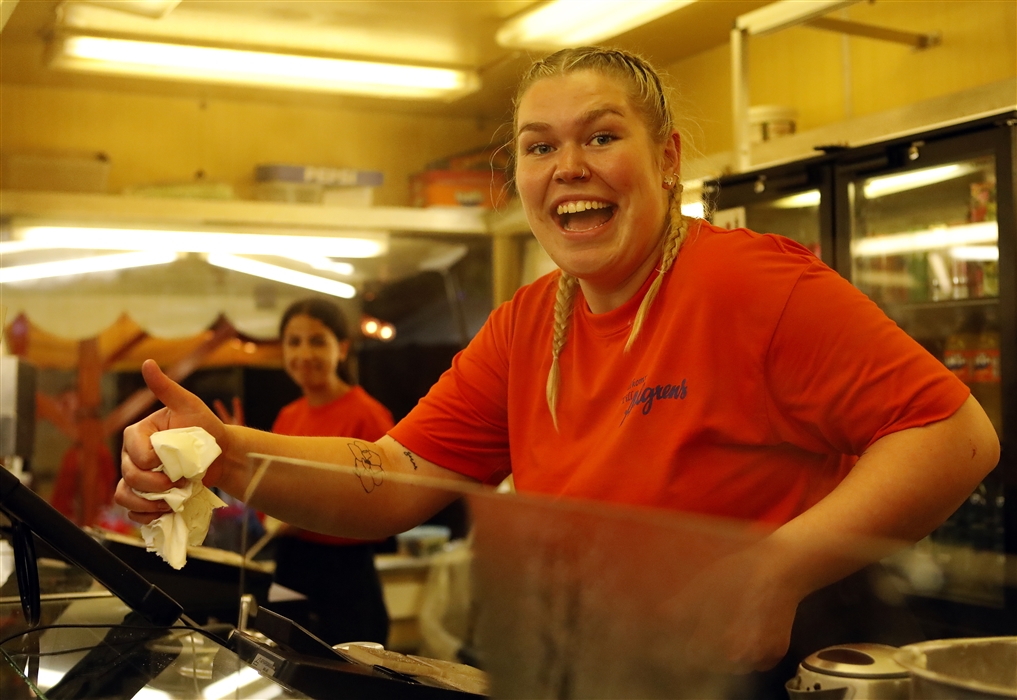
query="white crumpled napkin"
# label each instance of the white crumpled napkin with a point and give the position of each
(185, 452)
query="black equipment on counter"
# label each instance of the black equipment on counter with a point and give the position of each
(35, 515)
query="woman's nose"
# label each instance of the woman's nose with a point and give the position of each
(571, 165)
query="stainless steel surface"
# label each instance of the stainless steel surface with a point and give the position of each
(851, 671)
(977, 668)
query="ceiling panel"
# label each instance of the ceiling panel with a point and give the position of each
(451, 33)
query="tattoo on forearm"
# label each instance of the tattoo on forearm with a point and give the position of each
(412, 461)
(367, 465)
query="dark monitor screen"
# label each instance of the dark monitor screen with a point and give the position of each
(29, 512)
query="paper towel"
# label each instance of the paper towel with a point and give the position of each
(185, 453)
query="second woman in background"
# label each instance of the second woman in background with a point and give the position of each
(336, 574)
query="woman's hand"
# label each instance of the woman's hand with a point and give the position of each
(181, 409)
(736, 615)
(235, 418)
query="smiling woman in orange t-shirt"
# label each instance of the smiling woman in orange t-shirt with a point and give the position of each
(667, 363)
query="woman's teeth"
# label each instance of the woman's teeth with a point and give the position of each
(576, 207)
(584, 216)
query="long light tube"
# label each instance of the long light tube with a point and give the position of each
(942, 237)
(978, 253)
(101, 238)
(563, 23)
(79, 266)
(324, 263)
(284, 275)
(802, 200)
(259, 68)
(892, 184)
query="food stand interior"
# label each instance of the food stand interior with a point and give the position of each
(816, 105)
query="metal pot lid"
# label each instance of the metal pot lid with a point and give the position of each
(856, 661)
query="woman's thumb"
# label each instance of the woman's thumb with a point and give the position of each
(172, 395)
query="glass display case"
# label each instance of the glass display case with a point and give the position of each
(924, 224)
(795, 201)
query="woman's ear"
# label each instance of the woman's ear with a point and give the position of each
(672, 161)
(344, 350)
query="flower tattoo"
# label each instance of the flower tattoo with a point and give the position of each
(367, 465)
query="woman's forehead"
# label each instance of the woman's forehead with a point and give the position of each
(304, 323)
(573, 94)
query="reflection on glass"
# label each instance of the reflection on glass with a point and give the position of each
(927, 235)
(572, 598)
(924, 247)
(795, 216)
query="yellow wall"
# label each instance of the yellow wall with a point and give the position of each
(803, 68)
(154, 139)
(157, 139)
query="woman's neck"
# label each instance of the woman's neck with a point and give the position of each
(608, 297)
(327, 393)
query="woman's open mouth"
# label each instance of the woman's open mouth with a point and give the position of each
(583, 215)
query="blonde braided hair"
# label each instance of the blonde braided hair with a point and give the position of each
(648, 96)
(564, 302)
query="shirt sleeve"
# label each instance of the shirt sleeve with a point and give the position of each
(462, 422)
(841, 374)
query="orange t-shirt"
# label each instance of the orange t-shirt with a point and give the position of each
(758, 375)
(355, 414)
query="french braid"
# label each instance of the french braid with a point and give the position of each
(648, 96)
(563, 304)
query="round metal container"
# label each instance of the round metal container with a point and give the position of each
(851, 671)
(983, 668)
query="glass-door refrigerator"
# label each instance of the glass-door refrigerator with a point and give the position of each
(794, 200)
(925, 226)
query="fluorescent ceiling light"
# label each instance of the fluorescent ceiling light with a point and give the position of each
(802, 200)
(261, 69)
(943, 237)
(563, 23)
(977, 253)
(892, 184)
(786, 13)
(88, 238)
(283, 275)
(79, 266)
(208, 25)
(326, 264)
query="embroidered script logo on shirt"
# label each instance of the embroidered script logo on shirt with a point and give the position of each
(642, 394)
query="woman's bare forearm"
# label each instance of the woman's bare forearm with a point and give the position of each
(357, 500)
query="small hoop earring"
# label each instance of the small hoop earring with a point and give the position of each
(583, 176)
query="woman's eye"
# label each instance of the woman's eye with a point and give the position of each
(602, 139)
(539, 149)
